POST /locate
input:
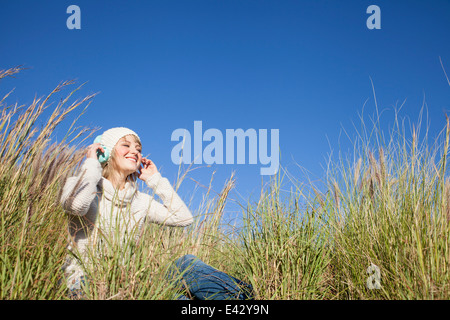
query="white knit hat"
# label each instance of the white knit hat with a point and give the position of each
(110, 137)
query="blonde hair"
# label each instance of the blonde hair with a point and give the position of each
(109, 168)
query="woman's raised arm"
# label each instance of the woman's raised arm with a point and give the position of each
(173, 211)
(79, 191)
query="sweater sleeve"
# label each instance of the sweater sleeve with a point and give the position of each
(79, 191)
(173, 211)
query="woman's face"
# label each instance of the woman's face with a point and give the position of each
(128, 155)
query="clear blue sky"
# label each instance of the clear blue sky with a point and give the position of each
(302, 67)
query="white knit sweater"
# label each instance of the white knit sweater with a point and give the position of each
(98, 211)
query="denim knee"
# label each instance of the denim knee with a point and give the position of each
(185, 261)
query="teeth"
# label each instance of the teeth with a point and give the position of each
(132, 159)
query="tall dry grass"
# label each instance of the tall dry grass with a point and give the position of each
(377, 228)
(385, 205)
(388, 206)
(31, 170)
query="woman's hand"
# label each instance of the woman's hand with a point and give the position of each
(147, 170)
(91, 151)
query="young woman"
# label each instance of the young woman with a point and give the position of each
(103, 201)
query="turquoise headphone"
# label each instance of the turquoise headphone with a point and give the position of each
(102, 157)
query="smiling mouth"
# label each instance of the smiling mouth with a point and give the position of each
(132, 159)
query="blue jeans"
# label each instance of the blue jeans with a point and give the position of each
(203, 282)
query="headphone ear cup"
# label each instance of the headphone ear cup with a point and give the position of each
(102, 156)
